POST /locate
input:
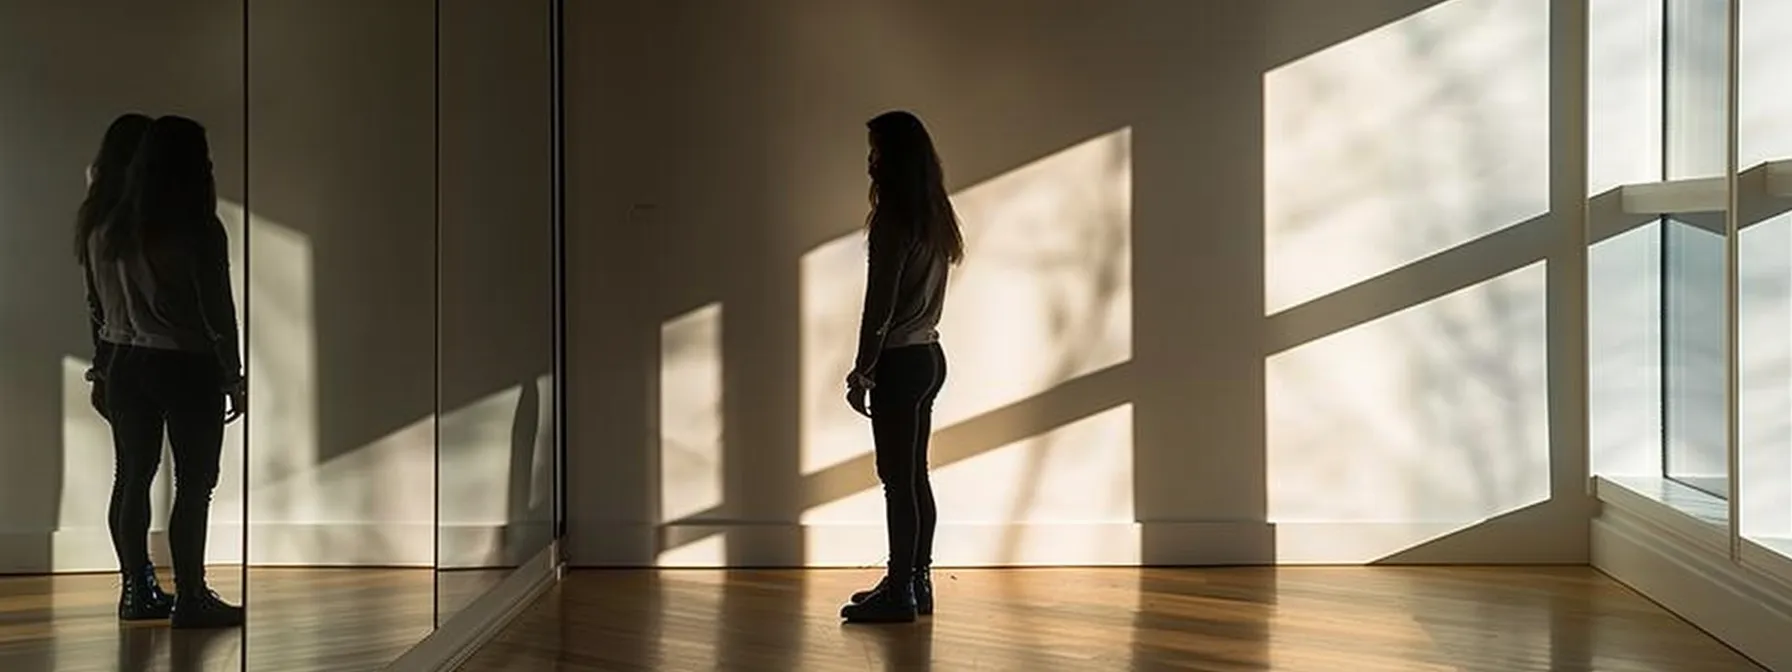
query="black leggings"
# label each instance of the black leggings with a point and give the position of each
(908, 379)
(149, 391)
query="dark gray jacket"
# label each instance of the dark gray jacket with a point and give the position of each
(179, 298)
(905, 294)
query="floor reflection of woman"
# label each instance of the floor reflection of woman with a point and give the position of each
(158, 266)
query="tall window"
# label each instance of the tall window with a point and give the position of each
(1695, 153)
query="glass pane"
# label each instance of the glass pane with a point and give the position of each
(1695, 157)
(1624, 147)
(1696, 441)
(342, 323)
(70, 70)
(1764, 274)
(497, 295)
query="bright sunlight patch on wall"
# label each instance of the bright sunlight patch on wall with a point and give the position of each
(372, 505)
(690, 408)
(495, 467)
(1024, 502)
(1420, 136)
(1437, 413)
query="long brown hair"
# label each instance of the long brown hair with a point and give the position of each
(169, 191)
(908, 186)
(106, 176)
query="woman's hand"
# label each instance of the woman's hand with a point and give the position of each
(856, 386)
(855, 397)
(238, 395)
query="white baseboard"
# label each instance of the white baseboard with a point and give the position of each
(271, 545)
(1083, 544)
(1691, 577)
(453, 642)
(1535, 540)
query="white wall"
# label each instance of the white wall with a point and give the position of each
(1249, 282)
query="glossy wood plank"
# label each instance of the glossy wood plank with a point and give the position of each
(1329, 619)
(336, 619)
(299, 619)
(70, 622)
(456, 588)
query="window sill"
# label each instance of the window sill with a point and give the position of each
(1689, 501)
(1697, 517)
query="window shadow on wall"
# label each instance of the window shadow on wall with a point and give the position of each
(1403, 379)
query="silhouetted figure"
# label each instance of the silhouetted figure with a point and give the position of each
(913, 239)
(159, 267)
(105, 188)
(141, 597)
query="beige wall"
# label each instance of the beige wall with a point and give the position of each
(1249, 282)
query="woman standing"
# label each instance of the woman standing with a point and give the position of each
(160, 271)
(913, 239)
(142, 598)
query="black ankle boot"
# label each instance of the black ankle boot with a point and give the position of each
(866, 594)
(890, 602)
(201, 608)
(140, 598)
(923, 587)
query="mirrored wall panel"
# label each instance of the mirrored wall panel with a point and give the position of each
(122, 175)
(341, 210)
(343, 289)
(496, 359)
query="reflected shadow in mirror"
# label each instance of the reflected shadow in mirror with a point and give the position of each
(342, 325)
(496, 319)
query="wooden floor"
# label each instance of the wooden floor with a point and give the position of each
(1321, 619)
(456, 588)
(299, 619)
